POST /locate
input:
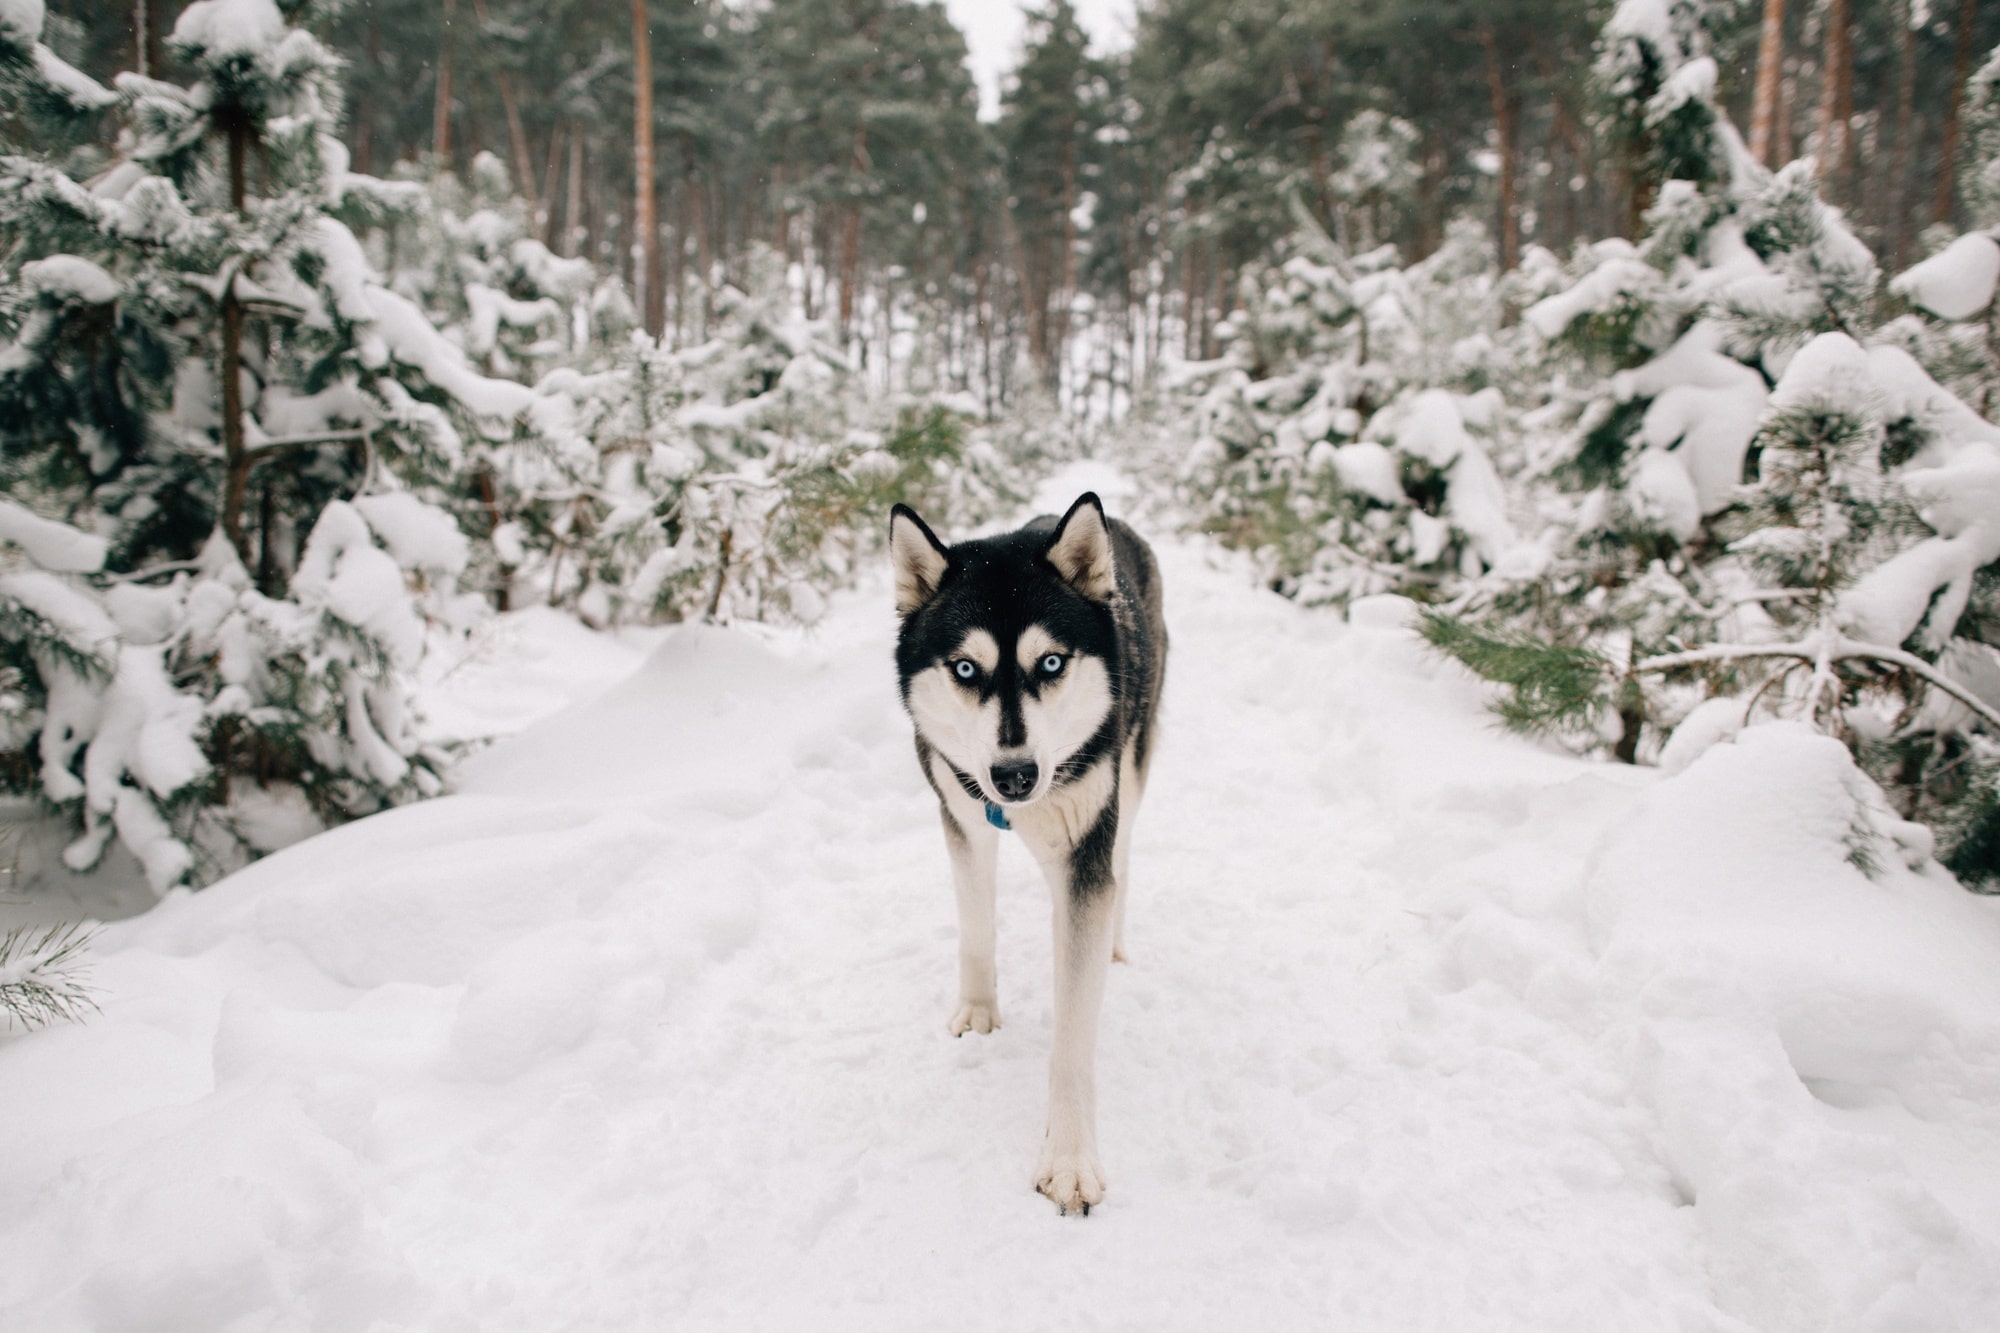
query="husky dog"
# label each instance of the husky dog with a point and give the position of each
(1031, 664)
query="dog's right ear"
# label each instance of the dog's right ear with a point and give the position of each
(919, 558)
(1081, 550)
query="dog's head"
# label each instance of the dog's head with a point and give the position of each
(1008, 652)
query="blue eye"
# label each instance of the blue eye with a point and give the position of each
(964, 669)
(1052, 664)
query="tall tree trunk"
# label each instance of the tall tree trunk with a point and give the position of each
(982, 313)
(517, 134)
(235, 455)
(1906, 127)
(517, 143)
(673, 260)
(1788, 98)
(781, 222)
(698, 207)
(590, 215)
(1429, 185)
(1066, 283)
(1191, 298)
(623, 249)
(1961, 68)
(235, 452)
(1770, 83)
(815, 262)
(1031, 262)
(1503, 123)
(1559, 223)
(1836, 102)
(441, 108)
(645, 214)
(270, 578)
(148, 51)
(850, 235)
(1135, 325)
(1577, 159)
(1843, 110)
(364, 107)
(707, 203)
(1214, 291)
(489, 496)
(363, 149)
(546, 221)
(573, 228)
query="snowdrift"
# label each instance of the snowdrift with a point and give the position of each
(1426, 1028)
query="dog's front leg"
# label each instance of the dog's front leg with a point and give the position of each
(974, 851)
(1085, 902)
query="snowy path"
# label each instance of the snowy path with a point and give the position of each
(646, 1030)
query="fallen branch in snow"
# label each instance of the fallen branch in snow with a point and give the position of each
(721, 574)
(41, 979)
(155, 571)
(1768, 595)
(1840, 649)
(1354, 559)
(285, 443)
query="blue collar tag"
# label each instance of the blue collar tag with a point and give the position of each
(996, 816)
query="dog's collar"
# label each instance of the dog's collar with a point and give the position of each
(996, 816)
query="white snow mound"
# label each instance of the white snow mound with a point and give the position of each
(1814, 1033)
(1424, 1027)
(1955, 283)
(54, 546)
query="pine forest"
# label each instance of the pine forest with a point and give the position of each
(462, 859)
(1650, 348)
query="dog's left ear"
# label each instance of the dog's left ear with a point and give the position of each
(919, 557)
(1081, 550)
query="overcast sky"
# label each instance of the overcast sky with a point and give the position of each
(993, 30)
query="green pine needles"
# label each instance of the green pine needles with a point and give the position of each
(1552, 689)
(1816, 499)
(42, 978)
(1970, 833)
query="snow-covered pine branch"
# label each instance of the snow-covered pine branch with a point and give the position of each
(1739, 473)
(43, 979)
(1840, 649)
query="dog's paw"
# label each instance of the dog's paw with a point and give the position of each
(1074, 1181)
(975, 1016)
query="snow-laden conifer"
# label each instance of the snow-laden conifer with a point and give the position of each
(211, 390)
(1348, 435)
(740, 476)
(1757, 493)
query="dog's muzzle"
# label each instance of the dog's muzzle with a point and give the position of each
(1013, 779)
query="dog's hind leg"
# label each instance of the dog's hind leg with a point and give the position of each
(974, 851)
(1131, 785)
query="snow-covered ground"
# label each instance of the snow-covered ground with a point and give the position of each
(508, 673)
(1425, 1028)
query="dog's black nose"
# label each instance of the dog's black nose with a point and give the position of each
(1014, 779)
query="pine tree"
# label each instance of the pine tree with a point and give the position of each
(870, 112)
(1654, 66)
(199, 644)
(1348, 436)
(737, 478)
(1756, 505)
(42, 96)
(1048, 129)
